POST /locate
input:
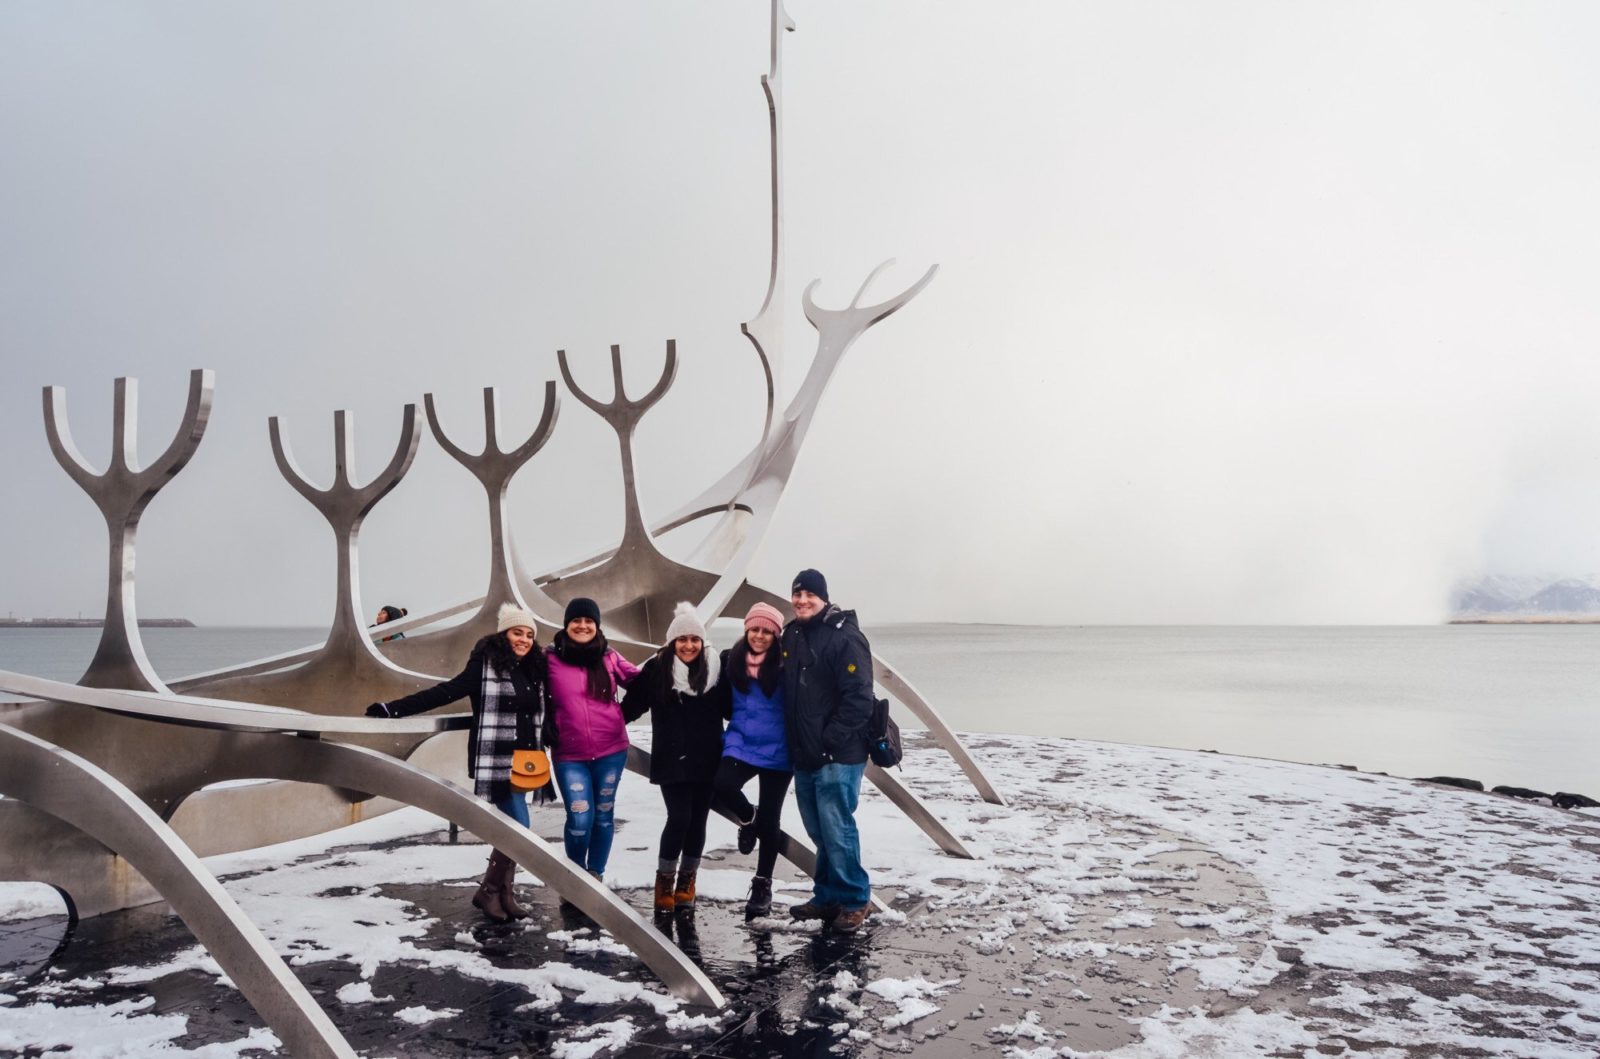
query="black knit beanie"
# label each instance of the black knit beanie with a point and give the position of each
(582, 607)
(812, 581)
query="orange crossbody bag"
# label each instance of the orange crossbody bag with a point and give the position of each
(530, 769)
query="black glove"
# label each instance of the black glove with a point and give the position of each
(379, 709)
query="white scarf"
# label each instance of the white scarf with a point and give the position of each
(680, 673)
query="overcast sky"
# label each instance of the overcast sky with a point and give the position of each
(1247, 312)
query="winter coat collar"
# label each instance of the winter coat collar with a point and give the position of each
(832, 614)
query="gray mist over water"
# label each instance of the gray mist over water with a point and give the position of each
(1248, 312)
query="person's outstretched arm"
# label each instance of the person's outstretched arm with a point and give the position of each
(459, 686)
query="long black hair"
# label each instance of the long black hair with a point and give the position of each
(496, 650)
(767, 676)
(698, 669)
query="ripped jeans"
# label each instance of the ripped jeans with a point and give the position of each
(589, 791)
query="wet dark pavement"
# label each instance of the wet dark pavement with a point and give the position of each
(792, 991)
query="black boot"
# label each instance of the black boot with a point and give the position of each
(760, 902)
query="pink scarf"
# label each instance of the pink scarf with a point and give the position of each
(752, 663)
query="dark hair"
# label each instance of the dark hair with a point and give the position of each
(496, 650)
(698, 669)
(767, 676)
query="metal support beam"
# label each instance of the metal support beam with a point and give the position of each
(92, 800)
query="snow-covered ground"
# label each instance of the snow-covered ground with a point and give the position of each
(1127, 901)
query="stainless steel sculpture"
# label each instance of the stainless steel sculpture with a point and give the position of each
(91, 800)
(122, 492)
(282, 744)
(494, 467)
(150, 751)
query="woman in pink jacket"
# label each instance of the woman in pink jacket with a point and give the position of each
(590, 737)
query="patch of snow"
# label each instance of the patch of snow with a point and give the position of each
(591, 1040)
(911, 997)
(111, 1031)
(359, 993)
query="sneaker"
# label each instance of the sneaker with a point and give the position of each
(747, 837)
(849, 920)
(812, 910)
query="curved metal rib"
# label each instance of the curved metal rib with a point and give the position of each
(93, 801)
(224, 715)
(837, 331)
(122, 492)
(917, 812)
(315, 761)
(901, 690)
(265, 746)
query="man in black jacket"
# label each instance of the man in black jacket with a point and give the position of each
(827, 683)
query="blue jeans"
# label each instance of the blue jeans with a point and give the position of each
(515, 805)
(827, 799)
(589, 791)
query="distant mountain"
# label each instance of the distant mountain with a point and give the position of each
(1532, 597)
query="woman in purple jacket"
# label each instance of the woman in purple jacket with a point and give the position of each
(590, 738)
(756, 744)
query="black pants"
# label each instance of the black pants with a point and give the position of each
(684, 835)
(731, 777)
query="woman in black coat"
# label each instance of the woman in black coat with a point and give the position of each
(679, 687)
(504, 679)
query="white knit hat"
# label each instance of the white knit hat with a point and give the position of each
(685, 622)
(512, 615)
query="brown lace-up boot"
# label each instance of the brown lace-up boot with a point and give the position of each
(683, 895)
(487, 899)
(666, 899)
(508, 892)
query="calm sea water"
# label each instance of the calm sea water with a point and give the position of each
(1503, 704)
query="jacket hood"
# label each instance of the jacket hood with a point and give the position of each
(838, 617)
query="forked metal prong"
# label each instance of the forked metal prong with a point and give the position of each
(122, 491)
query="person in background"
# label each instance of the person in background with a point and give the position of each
(387, 613)
(505, 681)
(756, 745)
(827, 687)
(680, 687)
(589, 737)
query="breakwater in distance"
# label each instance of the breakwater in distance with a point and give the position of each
(91, 623)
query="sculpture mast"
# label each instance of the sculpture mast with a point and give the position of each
(765, 328)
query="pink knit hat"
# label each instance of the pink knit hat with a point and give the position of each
(765, 614)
